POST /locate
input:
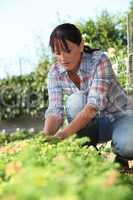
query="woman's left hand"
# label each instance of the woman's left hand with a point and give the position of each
(61, 135)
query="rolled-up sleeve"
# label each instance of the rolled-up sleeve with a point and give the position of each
(98, 92)
(55, 96)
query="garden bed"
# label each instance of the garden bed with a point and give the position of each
(33, 168)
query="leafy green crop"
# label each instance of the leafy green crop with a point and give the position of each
(37, 168)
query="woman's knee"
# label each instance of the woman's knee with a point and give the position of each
(122, 140)
(125, 150)
(75, 103)
(128, 151)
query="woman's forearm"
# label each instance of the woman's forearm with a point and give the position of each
(81, 120)
(52, 124)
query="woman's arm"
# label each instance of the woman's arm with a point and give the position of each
(52, 124)
(54, 115)
(79, 122)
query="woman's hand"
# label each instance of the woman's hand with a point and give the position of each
(61, 135)
(52, 124)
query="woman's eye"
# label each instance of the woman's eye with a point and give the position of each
(57, 53)
(69, 51)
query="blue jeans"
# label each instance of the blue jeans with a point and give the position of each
(101, 129)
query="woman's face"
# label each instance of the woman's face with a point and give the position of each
(69, 59)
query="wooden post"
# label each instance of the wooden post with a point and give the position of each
(130, 49)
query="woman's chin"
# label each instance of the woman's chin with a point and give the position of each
(70, 68)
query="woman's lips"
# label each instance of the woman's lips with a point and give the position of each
(66, 63)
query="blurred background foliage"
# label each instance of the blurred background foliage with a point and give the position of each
(27, 94)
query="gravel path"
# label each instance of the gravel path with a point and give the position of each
(23, 122)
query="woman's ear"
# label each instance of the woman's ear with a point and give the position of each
(82, 45)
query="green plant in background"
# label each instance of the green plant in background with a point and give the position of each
(106, 31)
(25, 94)
(119, 62)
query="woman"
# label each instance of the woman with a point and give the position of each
(96, 104)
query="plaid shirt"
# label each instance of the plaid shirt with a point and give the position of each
(98, 82)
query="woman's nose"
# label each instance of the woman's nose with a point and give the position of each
(64, 56)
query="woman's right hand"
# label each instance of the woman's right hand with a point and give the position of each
(52, 125)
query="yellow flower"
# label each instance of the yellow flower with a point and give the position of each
(13, 149)
(111, 178)
(13, 167)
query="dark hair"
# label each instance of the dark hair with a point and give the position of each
(69, 32)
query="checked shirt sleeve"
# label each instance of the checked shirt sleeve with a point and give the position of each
(98, 92)
(55, 96)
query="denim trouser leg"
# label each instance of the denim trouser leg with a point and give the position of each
(122, 139)
(98, 130)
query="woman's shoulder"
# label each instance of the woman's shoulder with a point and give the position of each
(99, 55)
(95, 55)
